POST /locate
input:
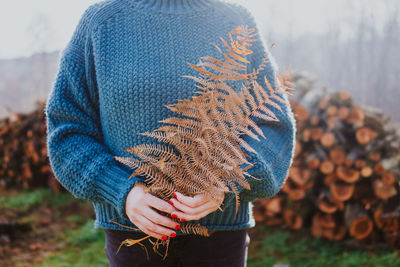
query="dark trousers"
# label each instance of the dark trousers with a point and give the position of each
(221, 248)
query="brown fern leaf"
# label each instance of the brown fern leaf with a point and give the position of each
(207, 139)
(195, 229)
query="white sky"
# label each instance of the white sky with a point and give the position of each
(53, 21)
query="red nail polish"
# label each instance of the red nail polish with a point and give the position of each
(175, 195)
(164, 238)
(170, 202)
(183, 220)
(173, 235)
(174, 215)
(177, 227)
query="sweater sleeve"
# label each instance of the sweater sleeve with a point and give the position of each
(275, 152)
(80, 160)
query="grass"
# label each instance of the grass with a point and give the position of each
(278, 246)
(83, 247)
(27, 199)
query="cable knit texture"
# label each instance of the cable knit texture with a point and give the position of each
(122, 65)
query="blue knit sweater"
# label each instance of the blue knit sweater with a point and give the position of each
(122, 65)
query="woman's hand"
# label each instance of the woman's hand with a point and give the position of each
(194, 208)
(139, 209)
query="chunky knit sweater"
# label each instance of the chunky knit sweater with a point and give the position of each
(122, 65)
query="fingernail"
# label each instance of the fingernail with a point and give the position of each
(175, 195)
(174, 215)
(173, 235)
(170, 202)
(177, 227)
(183, 220)
(164, 238)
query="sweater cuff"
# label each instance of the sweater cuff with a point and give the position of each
(114, 186)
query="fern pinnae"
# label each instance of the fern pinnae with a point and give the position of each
(130, 162)
(232, 54)
(187, 133)
(183, 122)
(236, 49)
(278, 98)
(194, 228)
(222, 63)
(245, 145)
(263, 116)
(218, 69)
(234, 189)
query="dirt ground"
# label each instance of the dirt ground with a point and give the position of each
(27, 236)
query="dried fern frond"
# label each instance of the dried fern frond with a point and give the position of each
(207, 144)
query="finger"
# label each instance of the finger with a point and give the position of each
(157, 228)
(138, 222)
(189, 210)
(159, 204)
(157, 218)
(148, 231)
(190, 217)
(192, 202)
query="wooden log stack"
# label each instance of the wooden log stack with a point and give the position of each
(344, 181)
(23, 153)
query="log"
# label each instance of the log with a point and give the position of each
(326, 203)
(337, 156)
(388, 178)
(341, 191)
(273, 206)
(387, 222)
(343, 113)
(326, 220)
(314, 120)
(300, 113)
(359, 163)
(332, 110)
(327, 139)
(347, 174)
(297, 149)
(343, 95)
(357, 221)
(293, 220)
(379, 169)
(306, 135)
(366, 171)
(331, 122)
(382, 190)
(365, 135)
(316, 133)
(293, 192)
(313, 163)
(327, 167)
(323, 102)
(356, 117)
(299, 176)
(374, 156)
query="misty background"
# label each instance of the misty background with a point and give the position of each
(344, 44)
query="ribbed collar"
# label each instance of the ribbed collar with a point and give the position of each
(174, 6)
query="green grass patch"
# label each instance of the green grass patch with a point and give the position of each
(83, 247)
(31, 198)
(277, 246)
(74, 218)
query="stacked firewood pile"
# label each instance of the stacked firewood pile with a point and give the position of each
(23, 160)
(344, 181)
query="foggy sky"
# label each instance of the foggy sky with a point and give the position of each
(53, 21)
